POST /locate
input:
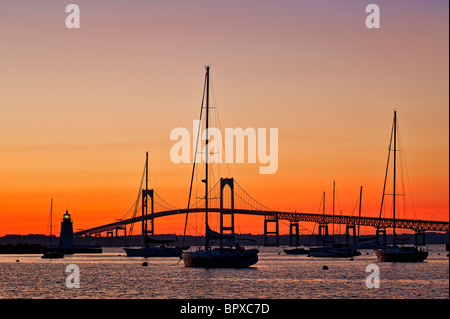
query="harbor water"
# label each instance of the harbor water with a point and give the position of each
(113, 275)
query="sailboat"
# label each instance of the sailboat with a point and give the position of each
(152, 247)
(49, 253)
(222, 257)
(297, 251)
(333, 250)
(397, 252)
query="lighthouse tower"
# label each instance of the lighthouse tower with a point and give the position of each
(66, 235)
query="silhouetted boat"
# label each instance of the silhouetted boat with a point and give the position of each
(334, 252)
(222, 257)
(394, 252)
(159, 249)
(297, 251)
(49, 253)
(329, 247)
(53, 254)
(152, 247)
(401, 254)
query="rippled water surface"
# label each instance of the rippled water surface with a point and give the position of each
(275, 276)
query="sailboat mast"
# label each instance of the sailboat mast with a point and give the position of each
(144, 199)
(51, 219)
(395, 164)
(359, 214)
(323, 204)
(385, 180)
(333, 207)
(206, 158)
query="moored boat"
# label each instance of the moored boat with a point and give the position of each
(236, 257)
(396, 252)
(50, 253)
(297, 251)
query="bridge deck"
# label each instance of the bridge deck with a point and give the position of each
(416, 225)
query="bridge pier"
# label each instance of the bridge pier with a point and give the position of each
(121, 228)
(267, 233)
(382, 231)
(145, 229)
(226, 218)
(347, 234)
(419, 235)
(294, 238)
(324, 233)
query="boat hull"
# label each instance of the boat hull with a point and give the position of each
(297, 251)
(154, 252)
(77, 250)
(221, 258)
(52, 255)
(333, 252)
(398, 255)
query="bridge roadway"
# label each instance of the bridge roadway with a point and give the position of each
(415, 225)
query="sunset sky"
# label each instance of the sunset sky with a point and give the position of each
(80, 107)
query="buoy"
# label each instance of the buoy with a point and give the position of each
(325, 267)
(144, 263)
(17, 260)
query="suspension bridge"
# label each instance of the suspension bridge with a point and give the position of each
(242, 203)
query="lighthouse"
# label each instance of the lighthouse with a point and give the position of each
(66, 242)
(66, 234)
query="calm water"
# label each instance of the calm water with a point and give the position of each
(275, 276)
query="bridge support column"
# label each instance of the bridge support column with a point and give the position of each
(419, 238)
(226, 217)
(294, 239)
(121, 228)
(382, 231)
(109, 233)
(323, 233)
(347, 234)
(267, 232)
(145, 219)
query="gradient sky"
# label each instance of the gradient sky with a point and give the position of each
(80, 107)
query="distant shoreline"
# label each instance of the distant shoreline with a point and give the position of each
(247, 239)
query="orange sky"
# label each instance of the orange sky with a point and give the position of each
(79, 108)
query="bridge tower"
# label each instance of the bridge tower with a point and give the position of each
(349, 227)
(419, 238)
(146, 193)
(271, 218)
(323, 232)
(294, 238)
(227, 217)
(377, 234)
